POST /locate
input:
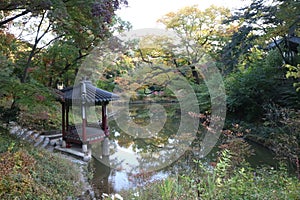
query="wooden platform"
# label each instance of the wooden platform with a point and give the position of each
(93, 134)
(75, 152)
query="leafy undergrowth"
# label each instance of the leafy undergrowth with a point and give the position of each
(33, 173)
(223, 182)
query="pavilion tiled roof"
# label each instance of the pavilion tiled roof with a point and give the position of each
(94, 95)
(291, 40)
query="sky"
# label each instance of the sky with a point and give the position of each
(145, 13)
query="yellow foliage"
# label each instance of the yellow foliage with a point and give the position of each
(15, 173)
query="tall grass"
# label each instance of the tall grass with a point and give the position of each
(225, 181)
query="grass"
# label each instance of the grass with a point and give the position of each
(34, 173)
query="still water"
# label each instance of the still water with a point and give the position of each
(145, 147)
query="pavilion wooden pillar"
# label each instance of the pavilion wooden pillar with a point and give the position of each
(67, 117)
(83, 112)
(104, 119)
(63, 122)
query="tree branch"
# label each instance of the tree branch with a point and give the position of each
(68, 65)
(143, 58)
(34, 47)
(48, 43)
(13, 18)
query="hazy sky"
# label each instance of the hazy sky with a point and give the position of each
(144, 13)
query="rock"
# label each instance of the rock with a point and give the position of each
(55, 142)
(11, 124)
(26, 135)
(31, 138)
(20, 132)
(14, 129)
(46, 142)
(87, 158)
(36, 135)
(40, 139)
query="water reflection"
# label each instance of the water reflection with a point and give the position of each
(108, 180)
(135, 161)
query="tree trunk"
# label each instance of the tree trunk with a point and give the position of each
(195, 74)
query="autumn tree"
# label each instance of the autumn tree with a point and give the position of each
(84, 23)
(53, 37)
(201, 32)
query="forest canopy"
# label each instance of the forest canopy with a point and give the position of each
(256, 50)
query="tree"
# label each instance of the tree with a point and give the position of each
(200, 32)
(84, 23)
(11, 10)
(28, 67)
(262, 23)
(294, 72)
(255, 57)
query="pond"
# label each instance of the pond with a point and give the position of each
(161, 150)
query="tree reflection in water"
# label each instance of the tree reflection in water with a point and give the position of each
(134, 160)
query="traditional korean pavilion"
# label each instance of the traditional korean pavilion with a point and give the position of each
(85, 95)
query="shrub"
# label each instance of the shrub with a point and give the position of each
(221, 183)
(30, 173)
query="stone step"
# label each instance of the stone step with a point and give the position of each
(46, 142)
(76, 152)
(39, 140)
(54, 136)
(27, 134)
(20, 132)
(56, 141)
(51, 132)
(51, 140)
(33, 137)
(13, 130)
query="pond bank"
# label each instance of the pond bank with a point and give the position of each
(38, 141)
